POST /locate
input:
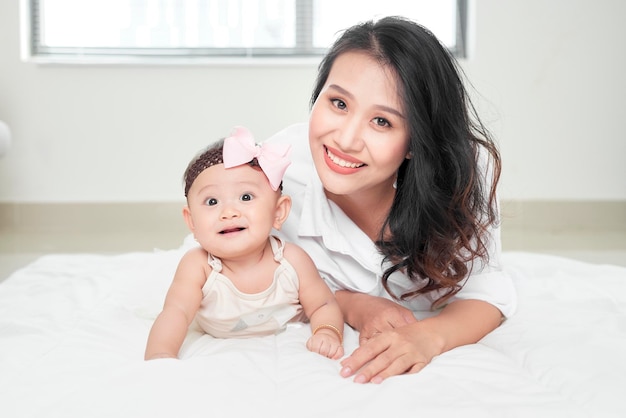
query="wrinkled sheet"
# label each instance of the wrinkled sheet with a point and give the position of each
(73, 330)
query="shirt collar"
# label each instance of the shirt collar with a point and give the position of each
(322, 218)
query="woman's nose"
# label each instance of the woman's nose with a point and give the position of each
(349, 137)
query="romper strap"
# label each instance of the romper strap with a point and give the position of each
(277, 248)
(215, 263)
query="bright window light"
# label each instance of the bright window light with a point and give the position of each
(213, 28)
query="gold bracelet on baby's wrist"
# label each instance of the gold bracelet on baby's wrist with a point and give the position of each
(330, 327)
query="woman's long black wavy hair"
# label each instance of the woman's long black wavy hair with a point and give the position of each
(441, 213)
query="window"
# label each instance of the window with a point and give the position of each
(168, 29)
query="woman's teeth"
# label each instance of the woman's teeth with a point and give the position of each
(341, 162)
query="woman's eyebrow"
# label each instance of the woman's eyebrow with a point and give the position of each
(341, 90)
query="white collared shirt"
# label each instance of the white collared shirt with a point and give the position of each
(348, 259)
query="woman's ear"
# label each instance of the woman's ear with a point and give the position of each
(283, 207)
(188, 219)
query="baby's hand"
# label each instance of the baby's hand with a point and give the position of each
(326, 343)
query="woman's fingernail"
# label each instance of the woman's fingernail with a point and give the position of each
(360, 379)
(377, 380)
(346, 371)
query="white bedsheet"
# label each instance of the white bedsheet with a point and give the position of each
(73, 330)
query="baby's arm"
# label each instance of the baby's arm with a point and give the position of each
(181, 304)
(319, 305)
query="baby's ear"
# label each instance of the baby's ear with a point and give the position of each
(283, 207)
(187, 218)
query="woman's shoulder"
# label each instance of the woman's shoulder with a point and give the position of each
(301, 168)
(291, 134)
(296, 135)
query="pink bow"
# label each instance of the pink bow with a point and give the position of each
(239, 149)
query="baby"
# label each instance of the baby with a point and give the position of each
(242, 281)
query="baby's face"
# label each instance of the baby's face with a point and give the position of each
(232, 211)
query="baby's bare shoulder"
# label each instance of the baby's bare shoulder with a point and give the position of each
(292, 251)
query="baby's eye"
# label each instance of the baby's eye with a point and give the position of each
(211, 201)
(381, 122)
(339, 104)
(246, 197)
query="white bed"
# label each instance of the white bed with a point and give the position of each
(73, 330)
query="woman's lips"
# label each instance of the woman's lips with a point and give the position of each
(341, 164)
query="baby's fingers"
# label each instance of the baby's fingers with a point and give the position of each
(336, 353)
(325, 346)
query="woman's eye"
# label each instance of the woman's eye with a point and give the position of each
(246, 197)
(381, 122)
(338, 103)
(211, 201)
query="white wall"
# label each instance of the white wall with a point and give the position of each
(551, 76)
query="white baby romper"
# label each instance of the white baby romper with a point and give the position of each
(226, 312)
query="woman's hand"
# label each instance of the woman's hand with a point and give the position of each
(399, 350)
(372, 315)
(384, 338)
(393, 342)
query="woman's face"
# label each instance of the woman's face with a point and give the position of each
(358, 132)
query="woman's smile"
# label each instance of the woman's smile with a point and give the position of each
(344, 161)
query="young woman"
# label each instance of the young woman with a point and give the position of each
(400, 214)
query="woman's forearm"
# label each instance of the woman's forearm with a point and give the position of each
(459, 323)
(350, 304)
(371, 314)
(463, 322)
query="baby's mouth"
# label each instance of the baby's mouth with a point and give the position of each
(340, 161)
(231, 230)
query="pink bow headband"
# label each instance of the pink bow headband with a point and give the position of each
(239, 149)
